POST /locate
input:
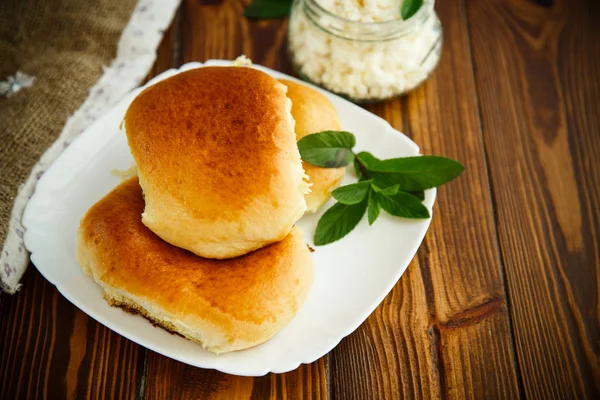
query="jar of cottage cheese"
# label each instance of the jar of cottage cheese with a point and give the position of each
(363, 49)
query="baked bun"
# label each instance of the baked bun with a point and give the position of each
(217, 159)
(314, 113)
(224, 305)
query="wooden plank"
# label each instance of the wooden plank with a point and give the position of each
(50, 349)
(175, 380)
(452, 296)
(483, 373)
(537, 73)
(218, 30)
(390, 355)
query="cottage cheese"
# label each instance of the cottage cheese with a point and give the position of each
(355, 64)
(364, 10)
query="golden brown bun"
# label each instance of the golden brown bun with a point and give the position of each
(217, 159)
(224, 305)
(314, 113)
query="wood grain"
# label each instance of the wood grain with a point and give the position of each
(537, 73)
(50, 349)
(454, 290)
(391, 354)
(168, 378)
(219, 31)
(502, 300)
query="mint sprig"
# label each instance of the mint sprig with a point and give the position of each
(402, 204)
(352, 194)
(416, 173)
(410, 8)
(374, 208)
(328, 149)
(268, 9)
(338, 221)
(281, 8)
(394, 185)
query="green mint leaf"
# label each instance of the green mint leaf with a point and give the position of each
(409, 8)
(388, 191)
(328, 149)
(374, 208)
(403, 205)
(328, 139)
(352, 194)
(268, 9)
(367, 158)
(383, 179)
(357, 169)
(419, 194)
(415, 173)
(338, 221)
(328, 158)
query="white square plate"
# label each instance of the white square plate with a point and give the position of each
(352, 276)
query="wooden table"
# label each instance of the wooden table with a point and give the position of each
(502, 299)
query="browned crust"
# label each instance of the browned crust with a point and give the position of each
(241, 301)
(212, 138)
(134, 309)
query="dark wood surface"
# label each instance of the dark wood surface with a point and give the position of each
(502, 299)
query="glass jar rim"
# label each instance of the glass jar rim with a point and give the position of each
(404, 24)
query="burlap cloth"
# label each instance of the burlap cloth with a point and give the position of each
(67, 45)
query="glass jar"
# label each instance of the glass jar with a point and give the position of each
(363, 61)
